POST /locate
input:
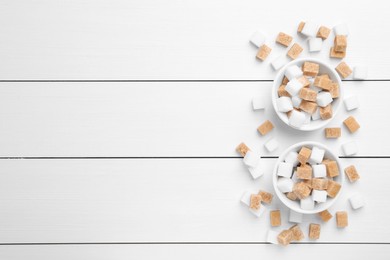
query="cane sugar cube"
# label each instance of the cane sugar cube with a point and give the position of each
(266, 197)
(305, 81)
(351, 124)
(359, 72)
(334, 90)
(251, 159)
(295, 217)
(323, 82)
(350, 148)
(285, 169)
(296, 101)
(343, 69)
(352, 173)
(333, 188)
(307, 203)
(319, 170)
(257, 171)
(242, 149)
(285, 184)
(282, 91)
(332, 169)
(263, 52)
(275, 219)
(297, 119)
(326, 112)
(292, 157)
(293, 87)
(308, 107)
(357, 201)
(285, 80)
(317, 155)
(271, 145)
(272, 237)
(319, 195)
(315, 44)
(293, 72)
(340, 43)
(332, 133)
(310, 69)
(300, 27)
(324, 99)
(301, 190)
(284, 39)
(258, 103)
(304, 155)
(316, 115)
(255, 201)
(323, 32)
(304, 172)
(257, 39)
(297, 234)
(342, 219)
(279, 62)
(337, 55)
(285, 237)
(308, 94)
(310, 29)
(291, 196)
(325, 215)
(284, 104)
(314, 231)
(294, 51)
(351, 102)
(341, 29)
(265, 127)
(319, 183)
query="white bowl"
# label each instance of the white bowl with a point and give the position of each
(294, 205)
(324, 68)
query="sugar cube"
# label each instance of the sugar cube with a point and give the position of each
(323, 82)
(304, 172)
(297, 119)
(285, 169)
(285, 184)
(343, 69)
(292, 157)
(319, 195)
(305, 81)
(258, 103)
(357, 201)
(310, 69)
(334, 132)
(297, 234)
(308, 94)
(296, 101)
(317, 155)
(293, 87)
(294, 51)
(360, 72)
(307, 203)
(284, 104)
(304, 155)
(333, 188)
(301, 190)
(300, 27)
(295, 217)
(314, 231)
(341, 29)
(323, 32)
(338, 55)
(271, 145)
(315, 44)
(332, 168)
(266, 196)
(352, 173)
(325, 215)
(291, 196)
(310, 29)
(326, 112)
(307, 118)
(272, 237)
(263, 52)
(265, 127)
(282, 91)
(334, 90)
(251, 159)
(319, 183)
(284, 39)
(340, 43)
(246, 198)
(342, 219)
(275, 219)
(319, 170)
(293, 72)
(257, 39)
(350, 148)
(255, 201)
(351, 102)
(279, 62)
(316, 115)
(308, 106)
(285, 237)
(242, 149)
(257, 171)
(324, 99)
(258, 213)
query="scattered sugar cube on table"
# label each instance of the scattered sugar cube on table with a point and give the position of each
(315, 44)
(285, 237)
(340, 43)
(263, 52)
(257, 171)
(352, 173)
(314, 231)
(271, 145)
(255, 201)
(343, 69)
(310, 29)
(300, 27)
(341, 29)
(272, 237)
(279, 62)
(359, 72)
(284, 39)
(325, 215)
(242, 149)
(351, 124)
(351, 102)
(251, 159)
(275, 218)
(297, 234)
(294, 51)
(337, 55)
(257, 39)
(333, 132)
(350, 148)
(357, 201)
(265, 127)
(342, 219)
(258, 103)
(285, 184)
(266, 196)
(246, 200)
(323, 32)
(295, 217)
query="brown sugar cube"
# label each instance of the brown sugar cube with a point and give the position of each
(325, 215)
(297, 234)
(305, 81)
(334, 90)
(337, 55)
(255, 202)
(266, 197)
(275, 218)
(294, 51)
(282, 91)
(333, 188)
(304, 155)
(291, 196)
(323, 82)
(332, 169)
(285, 80)
(265, 127)
(343, 69)
(351, 124)
(326, 112)
(308, 94)
(242, 149)
(340, 43)
(323, 32)
(352, 173)
(285, 237)
(308, 106)
(342, 219)
(301, 190)
(304, 172)
(332, 133)
(319, 183)
(263, 52)
(300, 26)
(308, 183)
(284, 39)
(310, 69)
(314, 231)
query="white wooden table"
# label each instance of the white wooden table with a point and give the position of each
(119, 120)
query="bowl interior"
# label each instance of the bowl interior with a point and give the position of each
(324, 68)
(294, 205)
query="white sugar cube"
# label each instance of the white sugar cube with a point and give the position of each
(294, 177)
(316, 89)
(258, 212)
(258, 103)
(285, 169)
(357, 201)
(307, 118)
(310, 29)
(319, 195)
(315, 44)
(319, 170)
(293, 72)
(251, 159)
(279, 62)
(296, 101)
(257, 171)
(284, 104)
(360, 72)
(316, 115)
(317, 155)
(351, 102)
(271, 145)
(293, 87)
(307, 203)
(350, 148)
(285, 184)
(295, 217)
(292, 157)
(257, 39)
(246, 198)
(297, 119)
(324, 99)
(272, 237)
(341, 29)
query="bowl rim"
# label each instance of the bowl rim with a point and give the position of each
(310, 127)
(284, 199)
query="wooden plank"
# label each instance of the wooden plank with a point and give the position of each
(173, 252)
(176, 200)
(151, 39)
(165, 119)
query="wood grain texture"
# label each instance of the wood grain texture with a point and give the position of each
(185, 200)
(151, 39)
(166, 119)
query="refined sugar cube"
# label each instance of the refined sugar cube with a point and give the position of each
(334, 132)
(325, 215)
(310, 69)
(317, 155)
(297, 234)
(301, 190)
(242, 149)
(338, 55)
(292, 157)
(285, 237)
(323, 32)
(266, 196)
(279, 62)
(359, 72)
(255, 201)
(342, 219)
(285, 184)
(272, 237)
(344, 70)
(341, 29)
(246, 198)
(251, 159)
(275, 219)
(294, 51)
(296, 101)
(293, 72)
(319, 195)
(351, 102)
(326, 112)
(307, 118)
(257, 171)
(285, 169)
(271, 145)
(314, 231)
(258, 213)
(357, 201)
(319, 183)
(316, 115)
(284, 104)
(352, 173)
(324, 99)
(333, 188)
(315, 44)
(319, 170)
(351, 124)
(295, 217)
(350, 148)
(263, 52)
(310, 29)
(297, 119)
(258, 103)
(257, 39)
(284, 39)
(293, 87)
(304, 155)
(305, 81)
(265, 127)
(340, 43)
(282, 91)
(307, 203)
